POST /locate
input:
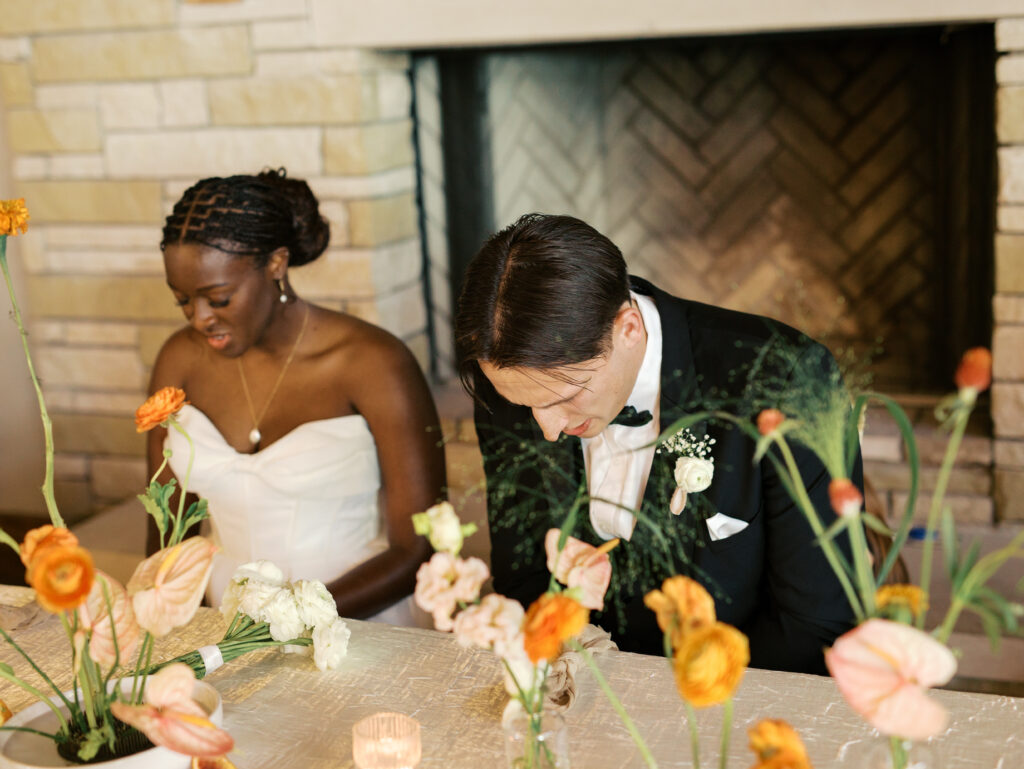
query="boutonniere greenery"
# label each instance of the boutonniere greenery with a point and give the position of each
(695, 467)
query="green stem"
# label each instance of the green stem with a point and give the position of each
(51, 501)
(723, 758)
(8, 540)
(38, 669)
(691, 717)
(946, 469)
(30, 731)
(827, 546)
(38, 694)
(865, 577)
(616, 703)
(899, 753)
(952, 614)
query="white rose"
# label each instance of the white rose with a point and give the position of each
(231, 600)
(261, 571)
(693, 473)
(315, 602)
(445, 528)
(282, 614)
(330, 644)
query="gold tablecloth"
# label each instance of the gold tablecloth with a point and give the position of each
(284, 713)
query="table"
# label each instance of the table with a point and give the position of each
(284, 713)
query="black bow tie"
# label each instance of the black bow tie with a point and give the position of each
(630, 417)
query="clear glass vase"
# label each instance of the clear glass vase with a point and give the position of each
(891, 753)
(537, 741)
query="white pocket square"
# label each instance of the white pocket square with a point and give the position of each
(722, 526)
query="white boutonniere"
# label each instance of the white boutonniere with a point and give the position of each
(695, 467)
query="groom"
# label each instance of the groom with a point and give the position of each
(576, 368)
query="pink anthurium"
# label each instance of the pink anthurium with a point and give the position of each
(167, 587)
(171, 718)
(581, 566)
(884, 668)
(94, 615)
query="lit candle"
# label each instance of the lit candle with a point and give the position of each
(386, 741)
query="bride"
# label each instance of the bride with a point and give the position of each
(316, 437)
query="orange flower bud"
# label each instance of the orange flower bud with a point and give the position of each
(709, 664)
(681, 605)
(62, 577)
(975, 370)
(13, 216)
(160, 406)
(43, 537)
(845, 497)
(776, 745)
(768, 421)
(550, 621)
(911, 596)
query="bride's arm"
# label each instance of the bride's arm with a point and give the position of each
(389, 390)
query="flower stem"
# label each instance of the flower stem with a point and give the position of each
(898, 750)
(691, 717)
(961, 416)
(51, 502)
(178, 533)
(827, 546)
(616, 703)
(723, 758)
(36, 668)
(38, 694)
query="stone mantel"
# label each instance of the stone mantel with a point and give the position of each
(400, 24)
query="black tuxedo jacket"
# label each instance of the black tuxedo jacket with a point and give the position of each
(769, 580)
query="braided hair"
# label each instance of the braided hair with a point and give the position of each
(250, 216)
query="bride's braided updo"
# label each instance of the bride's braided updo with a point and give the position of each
(250, 216)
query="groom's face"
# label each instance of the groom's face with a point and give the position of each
(581, 399)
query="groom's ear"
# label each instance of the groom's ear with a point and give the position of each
(629, 326)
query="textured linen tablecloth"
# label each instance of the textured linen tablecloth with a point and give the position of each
(284, 713)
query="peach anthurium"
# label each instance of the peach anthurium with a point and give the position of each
(171, 718)
(94, 615)
(582, 566)
(167, 587)
(882, 668)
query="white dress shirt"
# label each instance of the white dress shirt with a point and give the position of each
(618, 460)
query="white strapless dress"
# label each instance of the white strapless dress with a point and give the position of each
(308, 502)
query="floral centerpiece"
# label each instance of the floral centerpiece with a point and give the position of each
(122, 702)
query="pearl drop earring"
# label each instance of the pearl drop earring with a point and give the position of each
(280, 287)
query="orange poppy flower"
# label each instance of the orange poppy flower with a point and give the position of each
(681, 605)
(975, 370)
(550, 621)
(709, 664)
(777, 746)
(768, 421)
(62, 577)
(43, 537)
(158, 408)
(13, 216)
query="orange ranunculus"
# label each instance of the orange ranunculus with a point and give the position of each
(551, 620)
(13, 216)
(709, 663)
(681, 605)
(768, 421)
(43, 537)
(777, 746)
(911, 596)
(158, 408)
(5, 712)
(167, 587)
(62, 576)
(975, 370)
(845, 497)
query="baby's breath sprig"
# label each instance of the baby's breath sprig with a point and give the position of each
(685, 444)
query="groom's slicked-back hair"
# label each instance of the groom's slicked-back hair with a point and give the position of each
(542, 293)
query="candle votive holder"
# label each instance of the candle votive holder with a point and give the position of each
(386, 741)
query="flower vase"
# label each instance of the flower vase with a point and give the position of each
(884, 752)
(538, 741)
(26, 750)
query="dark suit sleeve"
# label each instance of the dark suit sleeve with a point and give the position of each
(517, 516)
(806, 607)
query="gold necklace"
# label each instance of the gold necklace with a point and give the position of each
(254, 434)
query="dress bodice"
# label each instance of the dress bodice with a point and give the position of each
(308, 502)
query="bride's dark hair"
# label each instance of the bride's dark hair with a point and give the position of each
(250, 216)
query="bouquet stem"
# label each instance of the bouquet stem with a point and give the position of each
(51, 501)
